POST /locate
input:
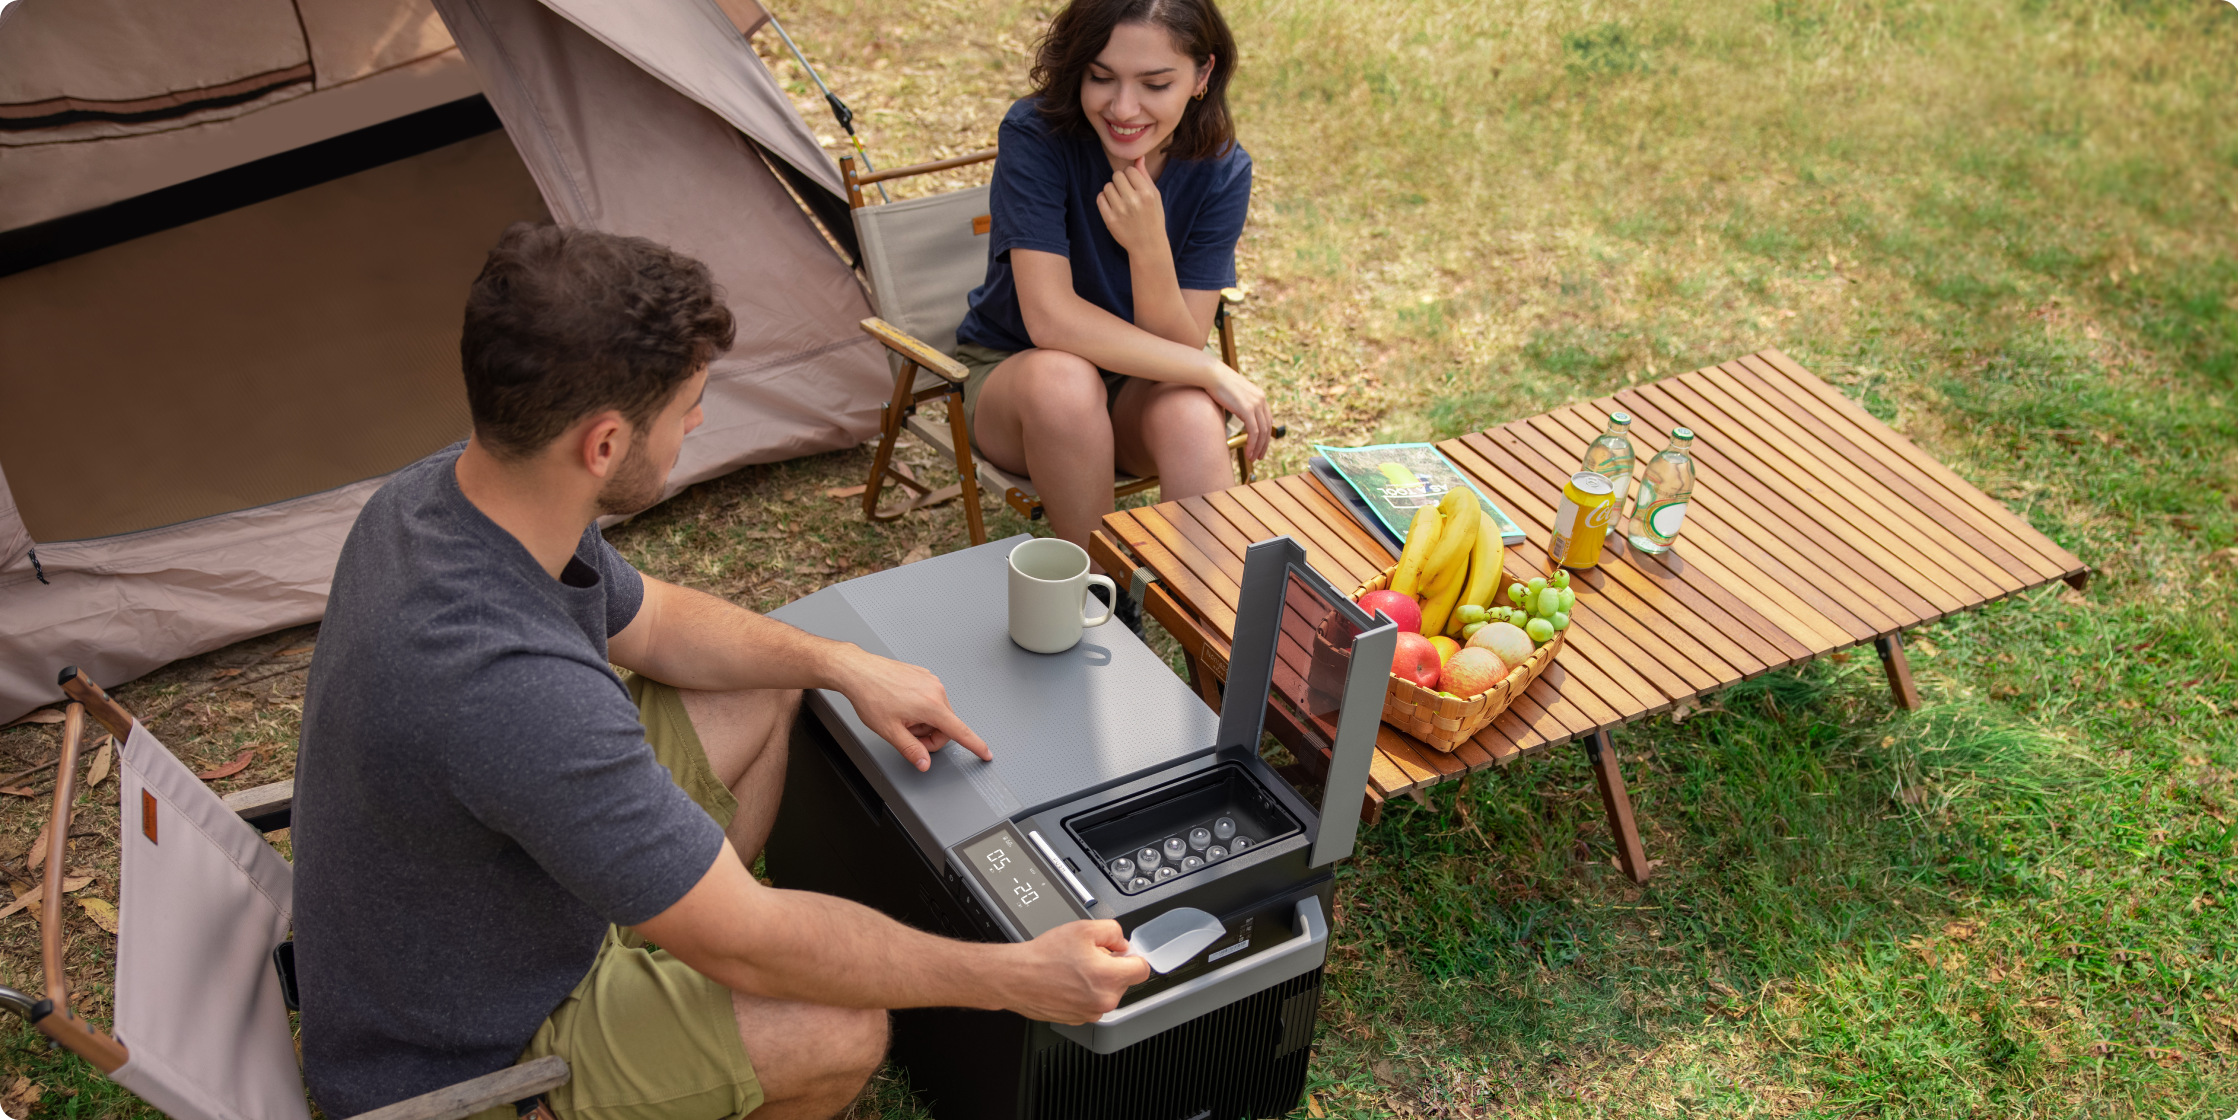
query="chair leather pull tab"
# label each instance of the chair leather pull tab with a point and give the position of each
(148, 815)
(982, 224)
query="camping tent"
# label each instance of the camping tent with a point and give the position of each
(235, 241)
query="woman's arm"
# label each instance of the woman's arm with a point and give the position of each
(1136, 216)
(1059, 319)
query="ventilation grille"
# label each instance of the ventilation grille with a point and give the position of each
(1246, 1059)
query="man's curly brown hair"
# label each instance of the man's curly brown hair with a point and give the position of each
(1078, 35)
(566, 323)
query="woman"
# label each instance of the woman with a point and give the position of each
(1117, 200)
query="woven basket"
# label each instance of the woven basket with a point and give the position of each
(1444, 722)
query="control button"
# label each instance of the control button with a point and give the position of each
(1138, 883)
(1123, 868)
(1240, 843)
(1166, 873)
(1147, 859)
(1216, 852)
(1175, 848)
(1224, 828)
(1192, 863)
(1199, 838)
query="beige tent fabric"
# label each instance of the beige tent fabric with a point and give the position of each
(43, 176)
(126, 56)
(203, 900)
(303, 343)
(353, 38)
(614, 148)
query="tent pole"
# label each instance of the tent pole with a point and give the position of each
(840, 110)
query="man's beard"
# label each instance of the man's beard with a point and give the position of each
(635, 486)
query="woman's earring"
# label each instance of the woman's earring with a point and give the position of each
(1198, 96)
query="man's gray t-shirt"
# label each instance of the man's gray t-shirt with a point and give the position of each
(475, 799)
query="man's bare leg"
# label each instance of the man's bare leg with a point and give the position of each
(812, 1060)
(745, 734)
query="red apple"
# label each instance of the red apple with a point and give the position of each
(1414, 658)
(1399, 608)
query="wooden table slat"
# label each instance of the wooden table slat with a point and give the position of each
(1752, 373)
(1731, 554)
(1877, 433)
(1754, 513)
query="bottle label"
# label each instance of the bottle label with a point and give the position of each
(1664, 519)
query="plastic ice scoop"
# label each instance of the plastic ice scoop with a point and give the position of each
(1174, 938)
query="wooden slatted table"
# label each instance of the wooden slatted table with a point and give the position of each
(1814, 527)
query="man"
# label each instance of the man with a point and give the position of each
(491, 824)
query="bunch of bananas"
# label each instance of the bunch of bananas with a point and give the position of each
(1451, 564)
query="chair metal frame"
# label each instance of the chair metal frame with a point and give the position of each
(266, 808)
(947, 382)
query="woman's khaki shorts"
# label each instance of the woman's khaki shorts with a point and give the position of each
(645, 1036)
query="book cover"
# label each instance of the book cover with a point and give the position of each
(1394, 480)
(1343, 492)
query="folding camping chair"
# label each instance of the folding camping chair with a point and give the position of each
(205, 977)
(924, 256)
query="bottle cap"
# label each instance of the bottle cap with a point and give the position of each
(1682, 433)
(1620, 418)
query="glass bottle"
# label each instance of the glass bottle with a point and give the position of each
(1611, 456)
(1663, 499)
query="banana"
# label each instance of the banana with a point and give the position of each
(1486, 559)
(1423, 535)
(1460, 532)
(1438, 608)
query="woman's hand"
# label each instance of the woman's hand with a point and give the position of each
(1133, 211)
(1245, 400)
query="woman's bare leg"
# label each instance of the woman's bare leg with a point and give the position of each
(1042, 414)
(1174, 431)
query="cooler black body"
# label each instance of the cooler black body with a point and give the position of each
(1101, 753)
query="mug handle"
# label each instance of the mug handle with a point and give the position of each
(1110, 591)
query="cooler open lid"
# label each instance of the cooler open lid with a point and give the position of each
(1323, 662)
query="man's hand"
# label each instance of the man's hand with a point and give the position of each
(1235, 392)
(1074, 973)
(904, 704)
(1133, 211)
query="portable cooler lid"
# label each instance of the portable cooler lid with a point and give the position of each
(1107, 711)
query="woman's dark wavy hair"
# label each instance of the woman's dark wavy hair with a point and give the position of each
(566, 323)
(1079, 34)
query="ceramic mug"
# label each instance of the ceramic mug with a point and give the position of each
(1050, 593)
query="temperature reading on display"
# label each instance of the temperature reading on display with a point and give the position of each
(1018, 881)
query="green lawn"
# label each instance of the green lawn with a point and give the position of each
(2007, 228)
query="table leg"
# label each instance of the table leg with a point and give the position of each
(1603, 754)
(1893, 651)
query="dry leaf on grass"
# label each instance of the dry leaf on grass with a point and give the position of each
(855, 491)
(240, 762)
(222, 674)
(41, 715)
(922, 552)
(291, 651)
(30, 898)
(19, 791)
(1314, 1105)
(22, 1094)
(1960, 931)
(99, 771)
(101, 911)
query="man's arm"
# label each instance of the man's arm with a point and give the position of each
(818, 949)
(690, 639)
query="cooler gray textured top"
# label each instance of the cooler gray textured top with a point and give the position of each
(1060, 725)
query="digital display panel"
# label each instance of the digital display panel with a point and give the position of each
(1013, 876)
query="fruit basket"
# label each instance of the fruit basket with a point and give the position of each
(1443, 721)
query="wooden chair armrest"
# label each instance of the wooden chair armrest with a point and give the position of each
(267, 808)
(893, 338)
(456, 1102)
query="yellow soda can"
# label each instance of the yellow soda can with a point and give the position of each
(1582, 518)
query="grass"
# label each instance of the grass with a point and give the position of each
(2005, 228)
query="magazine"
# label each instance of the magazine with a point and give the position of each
(1394, 480)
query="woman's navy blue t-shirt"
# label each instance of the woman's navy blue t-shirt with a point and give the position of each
(1044, 196)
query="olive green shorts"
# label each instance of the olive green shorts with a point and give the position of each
(645, 1036)
(979, 362)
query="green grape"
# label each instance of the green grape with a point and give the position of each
(1538, 585)
(1540, 630)
(1470, 630)
(1561, 579)
(1516, 593)
(1560, 620)
(1550, 601)
(1569, 596)
(1469, 613)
